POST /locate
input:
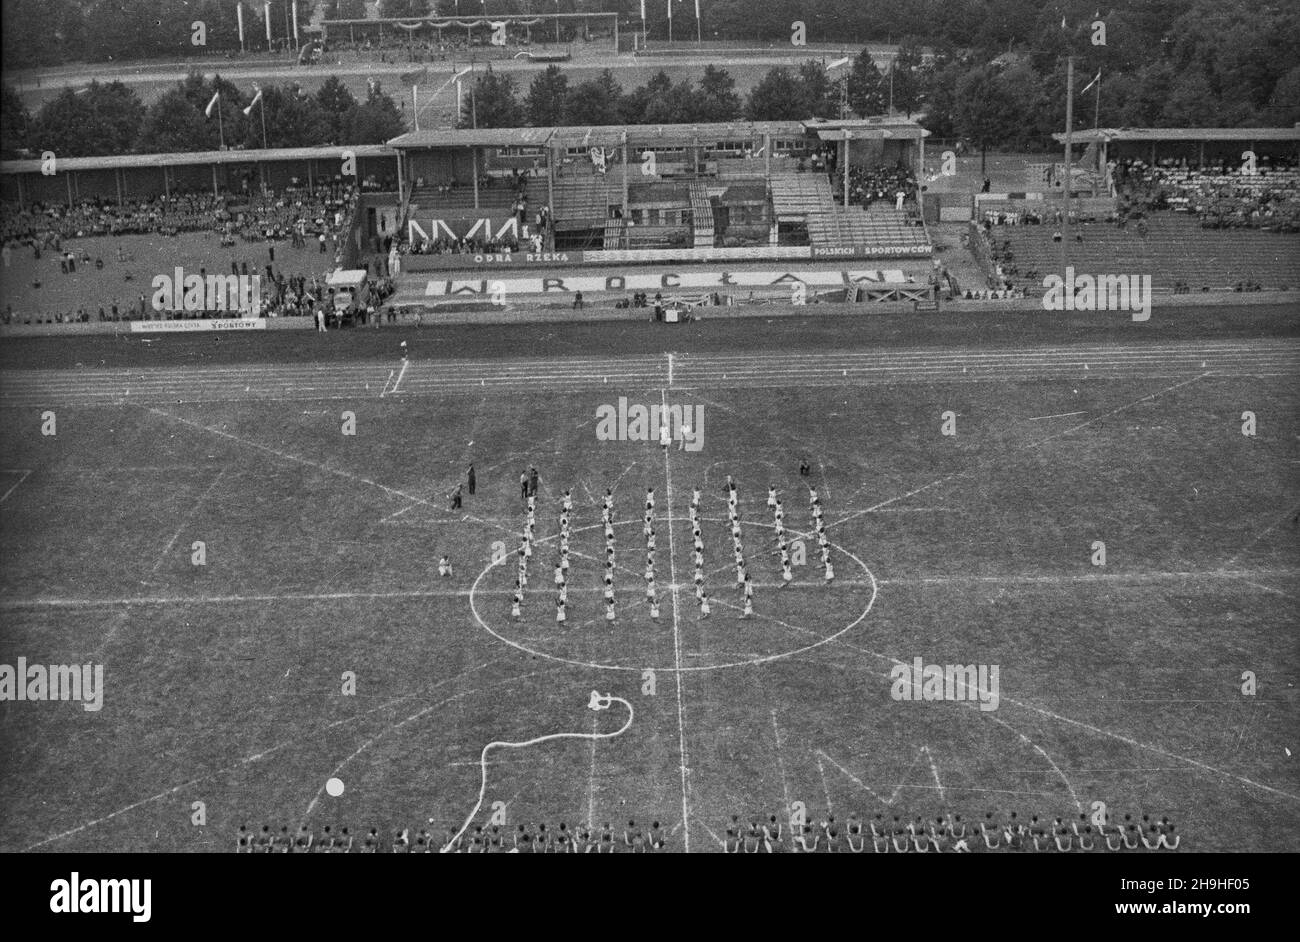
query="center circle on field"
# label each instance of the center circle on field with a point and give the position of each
(596, 665)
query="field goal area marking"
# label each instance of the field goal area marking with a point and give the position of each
(25, 472)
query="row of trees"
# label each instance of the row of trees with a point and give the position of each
(783, 94)
(109, 118)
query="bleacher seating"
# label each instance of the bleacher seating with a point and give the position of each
(877, 226)
(798, 195)
(1175, 250)
(701, 216)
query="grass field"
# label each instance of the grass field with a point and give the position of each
(224, 682)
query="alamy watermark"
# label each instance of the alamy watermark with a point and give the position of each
(1098, 293)
(84, 895)
(207, 292)
(83, 682)
(665, 424)
(953, 682)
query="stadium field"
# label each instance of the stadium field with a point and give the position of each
(318, 640)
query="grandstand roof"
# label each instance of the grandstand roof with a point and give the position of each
(663, 134)
(865, 128)
(1184, 134)
(131, 161)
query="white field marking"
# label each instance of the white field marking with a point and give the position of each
(591, 781)
(186, 519)
(1271, 590)
(1263, 533)
(677, 639)
(384, 391)
(914, 510)
(1084, 578)
(532, 742)
(708, 830)
(23, 471)
(978, 465)
(295, 459)
(1059, 415)
(1068, 785)
(826, 792)
(115, 621)
(1127, 740)
(670, 369)
(934, 770)
(780, 761)
(14, 605)
(392, 727)
(536, 652)
(405, 364)
(257, 757)
(867, 788)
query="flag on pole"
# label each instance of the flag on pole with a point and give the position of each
(697, 9)
(1063, 26)
(207, 112)
(256, 99)
(642, 11)
(239, 15)
(1092, 83)
(266, 15)
(670, 11)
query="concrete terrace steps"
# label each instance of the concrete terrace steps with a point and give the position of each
(1176, 249)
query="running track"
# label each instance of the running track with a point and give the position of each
(369, 378)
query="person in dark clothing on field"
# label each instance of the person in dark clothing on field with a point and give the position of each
(455, 498)
(471, 481)
(523, 485)
(804, 468)
(532, 481)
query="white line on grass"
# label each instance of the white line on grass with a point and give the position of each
(934, 770)
(1059, 415)
(24, 472)
(532, 742)
(186, 520)
(780, 761)
(257, 757)
(1263, 533)
(1032, 445)
(677, 641)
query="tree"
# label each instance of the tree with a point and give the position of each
(636, 103)
(174, 124)
(492, 104)
(547, 101)
(821, 96)
(336, 102)
(595, 101)
(1283, 106)
(14, 123)
(681, 104)
(374, 122)
(716, 99)
(346, 10)
(101, 119)
(908, 74)
(776, 97)
(867, 88)
(403, 9)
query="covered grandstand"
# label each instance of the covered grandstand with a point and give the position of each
(671, 188)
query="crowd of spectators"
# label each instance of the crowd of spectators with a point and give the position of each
(296, 211)
(868, 185)
(1221, 194)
